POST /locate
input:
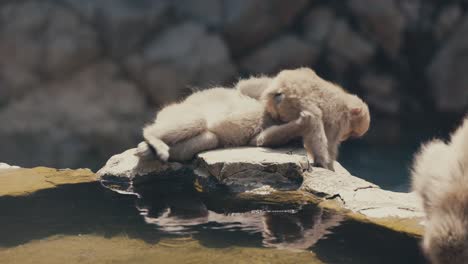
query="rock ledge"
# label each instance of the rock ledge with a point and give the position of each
(262, 171)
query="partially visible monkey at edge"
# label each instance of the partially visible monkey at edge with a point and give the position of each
(309, 107)
(335, 115)
(440, 178)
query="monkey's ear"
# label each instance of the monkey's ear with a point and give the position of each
(278, 97)
(356, 111)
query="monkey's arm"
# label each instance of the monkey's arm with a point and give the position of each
(281, 134)
(333, 144)
(186, 150)
(316, 142)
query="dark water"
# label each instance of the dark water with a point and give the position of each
(387, 162)
(167, 212)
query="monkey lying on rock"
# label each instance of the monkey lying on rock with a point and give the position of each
(213, 118)
(440, 178)
(334, 114)
(296, 103)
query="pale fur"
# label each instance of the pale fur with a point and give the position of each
(440, 178)
(213, 118)
(329, 106)
(311, 108)
(254, 86)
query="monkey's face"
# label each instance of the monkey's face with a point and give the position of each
(359, 122)
(282, 97)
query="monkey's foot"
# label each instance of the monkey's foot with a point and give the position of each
(260, 140)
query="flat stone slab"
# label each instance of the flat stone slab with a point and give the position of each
(398, 211)
(22, 182)
(262, 171)
(250, 169)
(125, 170)
(361, 196)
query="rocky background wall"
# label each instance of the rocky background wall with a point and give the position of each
(78, 78)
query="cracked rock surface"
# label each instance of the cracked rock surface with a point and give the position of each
(265, 171)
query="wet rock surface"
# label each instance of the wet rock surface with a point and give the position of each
(252, 173)
(15, 181)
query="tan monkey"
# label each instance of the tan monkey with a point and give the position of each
(440, 178)
(213, 118)
(309, 107)
(334, 115)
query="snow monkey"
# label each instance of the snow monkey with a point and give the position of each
(440, 178)
(308, 107)
(213, 118)
(334, 114)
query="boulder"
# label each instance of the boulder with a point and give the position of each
(207, 12)
(124, 172)
(318, 24)
(72, 122)
(346, 47)
(447, 72)
(381, 92)
(43, 37)
(361, 196)
(40, 39)
(447, 21)
(383, 20)
(183, 55)
(253, 169)
(123, 24)
(249, 23)
(286, 52)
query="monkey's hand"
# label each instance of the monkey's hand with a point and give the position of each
(304, 119)
(328, 166)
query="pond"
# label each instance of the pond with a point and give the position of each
(86, 223)
(387, 163)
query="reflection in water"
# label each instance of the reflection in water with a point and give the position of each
(166, 213)
(290, 229)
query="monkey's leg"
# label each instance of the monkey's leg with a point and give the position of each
(186, 150)
(173, 124)
(281, 134)
(176, 123)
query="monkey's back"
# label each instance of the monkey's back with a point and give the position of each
(441, 168)
(233, 117)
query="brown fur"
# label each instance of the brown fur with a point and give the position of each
(440, 177)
